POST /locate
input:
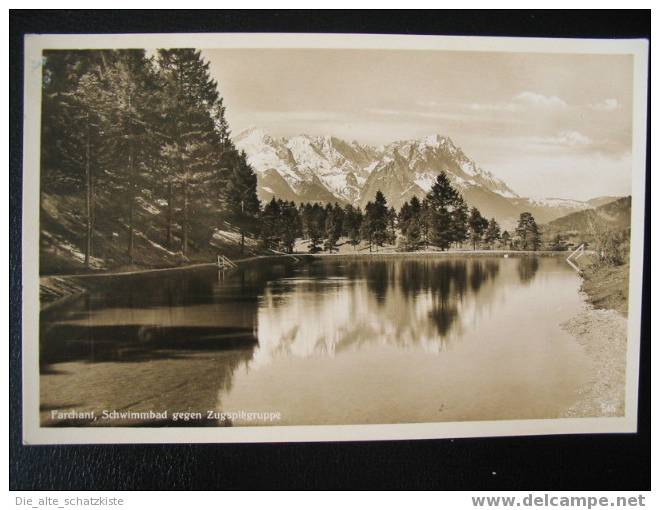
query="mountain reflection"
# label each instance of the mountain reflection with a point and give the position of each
(199, 339)
(336, 305)
(319, 308)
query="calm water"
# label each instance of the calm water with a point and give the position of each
(332, 341)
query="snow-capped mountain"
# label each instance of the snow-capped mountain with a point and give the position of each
(308, 168)
(410, 167)
(327, 169)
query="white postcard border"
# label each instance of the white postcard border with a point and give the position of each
(34, 434)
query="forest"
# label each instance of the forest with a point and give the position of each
(124, 132)
(441, 220)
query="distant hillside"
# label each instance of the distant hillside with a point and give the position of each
(615, 215)
(576, 228)
(598, 201)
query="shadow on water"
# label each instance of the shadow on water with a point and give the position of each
(258, 313)
(149, 317)
(136, 343)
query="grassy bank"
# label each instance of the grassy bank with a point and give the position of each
(601, 328)
(606, 286)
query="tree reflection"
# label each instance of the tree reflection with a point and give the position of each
(331, 307)
(527, 268)
(256, 314)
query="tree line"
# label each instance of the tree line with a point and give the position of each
(118, 122)
(441, 219)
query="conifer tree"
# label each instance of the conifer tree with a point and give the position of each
(270, 224)
(478, 225)
(73, 149)
(426, 219)
(459, 221)
(442, 200)
(375, 221)
(127, 99)
(506, 239)
(410, 223)
(240, 192)
(528, 233)
(334, 216)
(189, 99)
(290, 225)
(492, 234)
(353, 224)
(313, 223)
(391, 226)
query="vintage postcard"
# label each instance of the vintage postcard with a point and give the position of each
(298, 237)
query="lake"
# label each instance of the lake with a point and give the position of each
(333, 340)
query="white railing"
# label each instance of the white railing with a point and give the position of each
(225, 263)
(579, 251)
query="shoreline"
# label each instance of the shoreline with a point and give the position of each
(602, 332)
(196, 265)
(603, 335)
(57, 287)
(601, 328)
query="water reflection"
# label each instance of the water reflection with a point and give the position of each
(527, 268)
(287, 310)
(347, 304)
(183, 339)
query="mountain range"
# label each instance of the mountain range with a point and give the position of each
(615, 216)
(307, 168)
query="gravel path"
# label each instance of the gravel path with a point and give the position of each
(603, 334)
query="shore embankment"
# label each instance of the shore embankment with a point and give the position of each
(56, 287)
(53, 288)
(603, 335)
(601, 327)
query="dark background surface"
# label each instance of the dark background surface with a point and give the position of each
(606, 462)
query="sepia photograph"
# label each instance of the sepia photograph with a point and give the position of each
(270, 237)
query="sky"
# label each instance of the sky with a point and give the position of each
(549, 125)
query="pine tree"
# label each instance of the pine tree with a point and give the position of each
(128, 99)
(492, 234)
(221, 125)
(404, 220)
(527, 232)
(410, 223)
(353, 224)
(426, 219)
(375, 223)
(391, 226)
(334, 216)
(313, 224)
(271, 224)
(506, 240)
(64, 108)
(73, 149)
(240, 193)
(290, 225)
(189, 100)
(459, 221)
(442, 200)
(119, 129)
(478, 225)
